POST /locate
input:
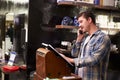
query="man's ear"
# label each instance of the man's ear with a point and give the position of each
(90, 19)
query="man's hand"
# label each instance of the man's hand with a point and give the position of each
(71, 60)
(80, 35)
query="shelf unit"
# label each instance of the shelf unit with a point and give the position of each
(74, 3)
(65, 27)
(93, 7)
(109, 31)
(99, 7)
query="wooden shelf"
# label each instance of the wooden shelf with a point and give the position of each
(74, 3)
(65, 27)
(115, 29)
(108, 8)
(74, 27)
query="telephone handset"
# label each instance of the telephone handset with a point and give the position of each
(81, 32)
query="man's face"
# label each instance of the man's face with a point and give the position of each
(84, 23)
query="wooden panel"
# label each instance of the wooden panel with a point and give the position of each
(37, 77)
(48, 64)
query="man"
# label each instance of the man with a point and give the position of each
(91, 49)
(10, 32)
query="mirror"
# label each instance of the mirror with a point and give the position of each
(13, 26)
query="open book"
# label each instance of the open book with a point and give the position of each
(52, 48)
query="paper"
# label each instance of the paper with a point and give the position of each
(48, 45)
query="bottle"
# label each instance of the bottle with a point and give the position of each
(96, 2)
(76, 23)
(116, 3)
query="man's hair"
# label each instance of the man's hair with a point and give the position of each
(87, 14)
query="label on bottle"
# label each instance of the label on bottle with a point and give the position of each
(96, 2)
(76, 23)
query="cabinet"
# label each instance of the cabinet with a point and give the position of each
(51, 65)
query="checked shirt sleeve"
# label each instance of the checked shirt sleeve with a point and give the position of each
(96, 52)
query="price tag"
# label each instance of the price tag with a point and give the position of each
(12, 58)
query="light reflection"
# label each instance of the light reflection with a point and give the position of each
(19, 1)
(16, 6)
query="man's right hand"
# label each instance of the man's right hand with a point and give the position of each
(80, 35)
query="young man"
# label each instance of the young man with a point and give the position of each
(91, 49)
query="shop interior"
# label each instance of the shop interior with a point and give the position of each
(35, 22)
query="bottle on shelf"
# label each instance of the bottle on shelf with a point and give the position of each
(97, 2)
(76, 23)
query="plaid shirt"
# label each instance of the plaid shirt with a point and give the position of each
(94, 61)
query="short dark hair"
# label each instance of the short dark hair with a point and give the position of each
(87, 14)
